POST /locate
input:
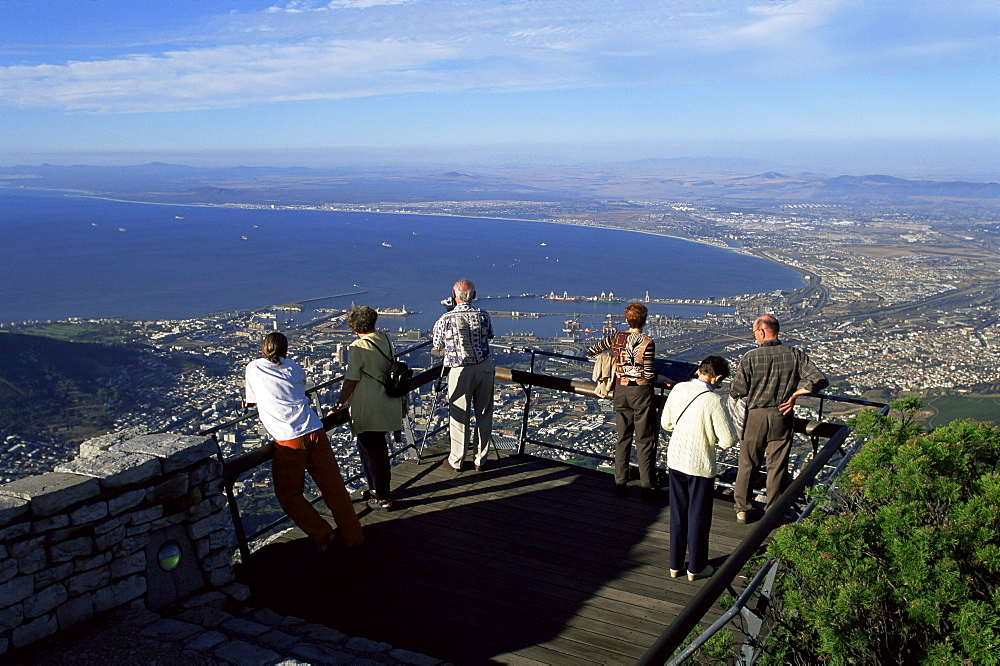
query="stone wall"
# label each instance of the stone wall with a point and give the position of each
(90, 536)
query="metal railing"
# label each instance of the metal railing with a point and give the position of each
(236, 467)
(762, 583)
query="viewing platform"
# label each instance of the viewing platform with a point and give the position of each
(530, 561)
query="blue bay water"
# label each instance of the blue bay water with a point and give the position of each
(66, 256)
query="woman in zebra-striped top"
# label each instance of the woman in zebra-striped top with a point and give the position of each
(635, 416)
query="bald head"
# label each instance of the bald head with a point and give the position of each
(464, 291)
(767, 326)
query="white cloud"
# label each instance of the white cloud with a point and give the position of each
(226, 76)
(299, 6)
(323, 49)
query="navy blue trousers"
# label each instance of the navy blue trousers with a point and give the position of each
(690, 520)
(375, 461)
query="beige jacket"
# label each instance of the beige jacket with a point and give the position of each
(604, 374)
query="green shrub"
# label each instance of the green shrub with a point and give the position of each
(907, 570)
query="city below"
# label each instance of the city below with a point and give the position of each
(897, 300)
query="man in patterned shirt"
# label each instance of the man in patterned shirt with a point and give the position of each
(770, 377)
(463, 335)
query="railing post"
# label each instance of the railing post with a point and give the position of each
(755, 617)
(523, 434)
(234, 510)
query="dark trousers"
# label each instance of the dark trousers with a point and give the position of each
(690, 520)
(635, 419)
(375, 461)
(767, 432)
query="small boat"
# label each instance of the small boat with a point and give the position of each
(121, 228)
(178, 217)
(384, 244)
(244, 238)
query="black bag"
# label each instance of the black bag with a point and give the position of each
(399, 375)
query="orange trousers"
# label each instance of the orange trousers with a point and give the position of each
(312, 453)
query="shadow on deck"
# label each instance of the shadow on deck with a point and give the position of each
(530, 561)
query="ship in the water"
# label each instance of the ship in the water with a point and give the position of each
(396, 312)
(565, 297)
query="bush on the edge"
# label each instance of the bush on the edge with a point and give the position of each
(907, 568)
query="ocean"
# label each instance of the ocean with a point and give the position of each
(68, 255)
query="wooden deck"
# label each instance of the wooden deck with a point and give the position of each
(530, 561)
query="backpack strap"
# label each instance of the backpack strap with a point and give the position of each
(688, 405)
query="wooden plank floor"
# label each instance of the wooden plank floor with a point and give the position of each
(530, 561)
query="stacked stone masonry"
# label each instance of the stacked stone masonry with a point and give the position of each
(78, 541)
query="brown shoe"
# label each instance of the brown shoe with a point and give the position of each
(450, 466)
(480, 467)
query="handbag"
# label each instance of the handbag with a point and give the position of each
(397, 379)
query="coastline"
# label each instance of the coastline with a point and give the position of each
(671, 296)
(320, 209)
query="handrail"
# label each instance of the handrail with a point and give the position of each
(771, 563)
(674, 635)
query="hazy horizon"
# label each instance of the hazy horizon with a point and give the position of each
(941, 161)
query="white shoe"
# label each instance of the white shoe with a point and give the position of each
(741, 517)
(675, 573)
(704, 573)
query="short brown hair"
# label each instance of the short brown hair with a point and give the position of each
(635, 315)
(362, 319)
(714, 366)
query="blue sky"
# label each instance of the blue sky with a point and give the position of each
(845, 83)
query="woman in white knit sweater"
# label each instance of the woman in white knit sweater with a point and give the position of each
(698, 418)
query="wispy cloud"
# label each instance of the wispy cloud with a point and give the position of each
(298, 50)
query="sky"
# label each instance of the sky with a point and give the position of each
(822, 83)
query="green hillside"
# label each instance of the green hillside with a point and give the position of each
(57, 388)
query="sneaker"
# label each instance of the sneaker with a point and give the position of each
(741, 517)
(675, 573)
(379, 505)
(704, 573)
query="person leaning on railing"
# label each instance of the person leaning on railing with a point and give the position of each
(373, 413)
(277, 386)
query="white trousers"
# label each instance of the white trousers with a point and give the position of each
(470, 383)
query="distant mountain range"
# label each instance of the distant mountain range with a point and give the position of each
(684, 179)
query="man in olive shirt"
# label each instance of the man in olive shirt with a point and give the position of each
(770, 377)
